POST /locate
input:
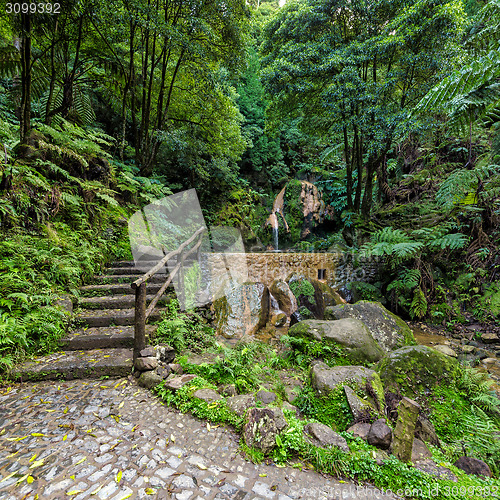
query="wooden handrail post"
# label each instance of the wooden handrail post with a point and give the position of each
(140, 319)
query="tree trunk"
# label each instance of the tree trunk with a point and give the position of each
(25, 115)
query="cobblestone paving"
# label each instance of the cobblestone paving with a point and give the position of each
(114, 440)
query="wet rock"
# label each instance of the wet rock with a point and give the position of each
(285, 298)
(425, 431)
(148, 352)
(490, 338)
(404, 433)
(240, 404)
(265, 397)
(359, 407)
(430, 467)
(175, 383)
(468, 349)
(473, 466)
(228, 390)
(380, 434)
(291, 394)
(351, 335)
(361, 430)
(444, 349)
(149, 379)
(386, 328)
(176, 368)
(242, 311)
(331, 297)
(414, 368)
(145, 364)
(278, 319)
(325, 379)
(322, 436)
(165, 353)
(261, 428)
(163, 371)
(295, 318)
(419, 451)
(207, 395)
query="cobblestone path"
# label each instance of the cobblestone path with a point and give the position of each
(114, 440)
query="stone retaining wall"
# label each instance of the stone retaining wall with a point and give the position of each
(265, 267)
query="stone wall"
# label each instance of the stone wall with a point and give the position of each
(265, 267)
(336, 269)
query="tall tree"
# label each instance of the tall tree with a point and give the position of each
(352, 70)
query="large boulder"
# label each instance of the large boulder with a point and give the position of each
(284, 297)
(261, 428)
(331, 297)
(473, 466)
(349, 334)
(380, 434)
(322, 436)
(242, 311)
(326, 380)
(386, 328)
(413, 369)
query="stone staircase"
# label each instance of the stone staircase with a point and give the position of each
(101, 344)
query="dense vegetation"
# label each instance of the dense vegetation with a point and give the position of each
(391, 109)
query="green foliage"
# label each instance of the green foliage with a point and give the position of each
(183, 330)
(303, 351)
(302, 287)
(332, 410)
(216, 412)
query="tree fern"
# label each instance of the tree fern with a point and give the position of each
(418, 306)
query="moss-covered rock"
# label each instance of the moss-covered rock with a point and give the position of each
(242, 311)
(351, 335)
(414, 369)
(389, 330)
(363, 381)
(308, 293)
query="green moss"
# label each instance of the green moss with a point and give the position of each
(302, 286)
(414, 369)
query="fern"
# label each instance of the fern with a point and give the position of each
(418, 306)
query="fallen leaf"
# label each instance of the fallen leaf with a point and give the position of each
(37, 434)
(33, 457)
(126, 496)
(172, 438)
(121, 404)
(262, 475)
(150, 491)
(74, 492)
(81, 461)
(30, 479)
(37, 463)
(119, 476)
(99, 488)
(202, 466)
(65, 437)
(208, 427)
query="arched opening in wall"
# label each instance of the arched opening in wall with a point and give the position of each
(322, 274)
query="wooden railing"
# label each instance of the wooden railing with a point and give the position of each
(140, 286)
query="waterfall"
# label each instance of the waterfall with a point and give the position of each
(275, 237)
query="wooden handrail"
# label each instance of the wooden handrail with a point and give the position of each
(141, 313)
(165, 259)
(172, 274)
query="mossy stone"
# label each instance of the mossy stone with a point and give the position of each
(389, 330)
(414, 369)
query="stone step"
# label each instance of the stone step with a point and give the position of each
(131, 270)
(127, 279)
(70, 365)
(114, 302)
(130, 263)
(102, 338)
(108, 317)
(114, 289)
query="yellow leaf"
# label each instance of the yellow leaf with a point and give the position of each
(134, 428)
(33, 457)
(2, 432)
(50, 411)
(20, 480)
(126, 496)
(36, 463)
(74, 492)
(202, 466)
(262, 475)
(81, 461)
(7, 477)
(150, 491)
(99, 488)
(36, 497)
(119, 476)
(37, 434)
(29, 479)
(121, 404)
(208, 427)
(65, 437)
(65, 410)
(72, 477)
